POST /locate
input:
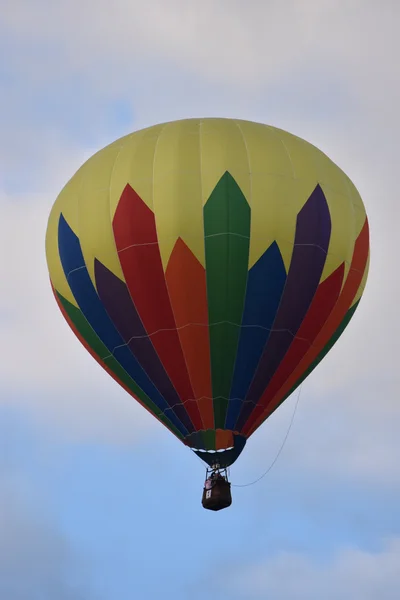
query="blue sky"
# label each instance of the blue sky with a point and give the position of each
(97, 501)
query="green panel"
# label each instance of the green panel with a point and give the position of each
(227, 239)
(321, 355)
(209, 439)
(85, 330)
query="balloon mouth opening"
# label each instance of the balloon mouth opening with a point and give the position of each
(225, 457)
(212, 451)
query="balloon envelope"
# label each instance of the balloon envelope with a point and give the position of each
(209, 265)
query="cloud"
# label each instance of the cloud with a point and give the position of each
(76, 75)
(36, 561)
(224, 40)
(321, 69)
(340, 436)
(352, 574)
(230, 42)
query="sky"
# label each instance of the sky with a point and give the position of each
(97, 500)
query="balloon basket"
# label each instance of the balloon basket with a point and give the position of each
(217, 490)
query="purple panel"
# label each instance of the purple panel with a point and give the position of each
(117, 301)
(313, 230)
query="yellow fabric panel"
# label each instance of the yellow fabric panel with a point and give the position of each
(271, 182)
(223, 149)
(177, 193)
(300, 155)
(358, 208)
(344, 231)
(67, 203)
(343, 235)
(361, 289)
(174, 167)
(354, 195)
(310, 163)
(266, 150)
(94, 222)
(135, 166)
(293, 194)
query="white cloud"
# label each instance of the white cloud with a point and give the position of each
(352, 574)
(323, 69)
(35, 559)
(228, 41)
(266, 61)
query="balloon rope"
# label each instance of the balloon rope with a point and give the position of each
(280, 449)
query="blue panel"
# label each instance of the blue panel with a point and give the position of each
(265, 285)
(313, 231)
(89, 303)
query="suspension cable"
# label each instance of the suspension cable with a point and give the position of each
(279, 451)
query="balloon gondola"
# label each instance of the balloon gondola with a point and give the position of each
(209, 265)
(217, 489)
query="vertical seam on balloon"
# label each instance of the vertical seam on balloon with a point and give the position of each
(166, 283)
(118, 256)
(205, 263)
(355, 237)
(275, 133)
(294, 337)
(261, 355)
(249, 201)
(365, 273)
(263, 350)
(301, 378)
(111, 351)
(148, 337)
(133, 303)
(321, 329)
(117, 253)
(277, 311)
(284, 287)
(66, 275)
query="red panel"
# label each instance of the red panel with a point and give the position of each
(322, 305)
(223, 439)
(139, 254)
(349, 291)
(186, 281)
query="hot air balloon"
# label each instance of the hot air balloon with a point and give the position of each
(209, 265)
